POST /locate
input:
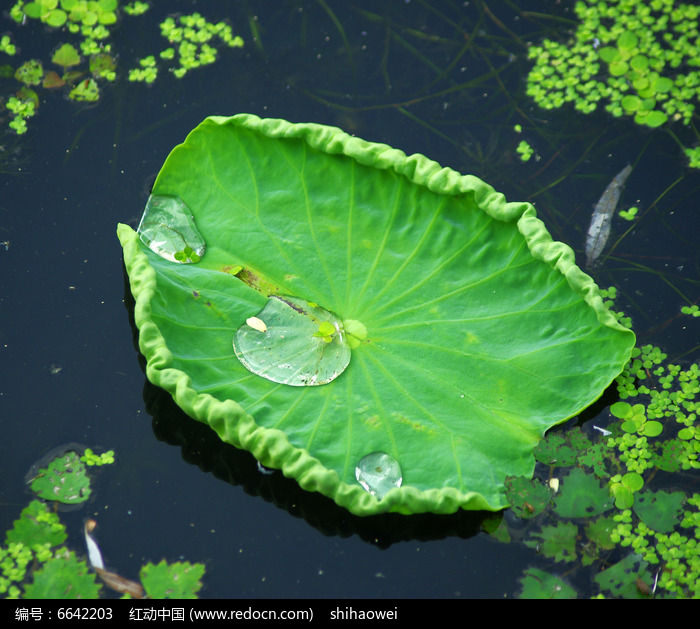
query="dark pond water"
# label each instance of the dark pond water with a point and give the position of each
(395, 72)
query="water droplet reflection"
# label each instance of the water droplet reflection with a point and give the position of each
(378, 473)
(167, 228)
(293, 341)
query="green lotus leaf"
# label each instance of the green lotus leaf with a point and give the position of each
(470, 332)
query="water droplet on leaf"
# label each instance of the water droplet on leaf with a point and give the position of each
(167, 228)
(378, 473)
(292, 341)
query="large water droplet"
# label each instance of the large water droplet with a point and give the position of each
(167, 228)
(292, 341)
(378, 473)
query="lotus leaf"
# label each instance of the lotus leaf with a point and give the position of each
(470, 331)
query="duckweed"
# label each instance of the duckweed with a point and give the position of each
(637, 59)
(652, 530)
(191, 39)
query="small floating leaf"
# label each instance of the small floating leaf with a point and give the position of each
(582, 496)
(609, 54)
(538, 584)
(167, 227)
(293, 342)
(85, 91)
(64, 480)
(52, 80)
(181, 579)
(618, 68)
(557, 542)
(620, 579)
(66, 56)
(639, 63)
(37, 525)
(30, 72)
(64, 577)
(627, 40)
(655, 119)
(631, 102)
(660, 510)
(55, 18)
(527, 497)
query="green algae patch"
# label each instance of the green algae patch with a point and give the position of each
(636, 59)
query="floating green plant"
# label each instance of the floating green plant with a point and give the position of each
(177, 580)
(629, 214)
(56, 13)
(35, 564)
(147, 72)
(88, 18)
(693, 155)
(89, 21)
(88, 58)
(7, 46)
(90, 458)
(693, 311)
(639, 59)
(136, 8)
(422, 274)
(66, 56)
(539, 584)
(30, 72)
(524, 150)
(22, 107)
(192, 44)
(85, 91)
(655, 532)
(65, 480)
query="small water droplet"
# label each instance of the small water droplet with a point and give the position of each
(167, 228)
(378, 473)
